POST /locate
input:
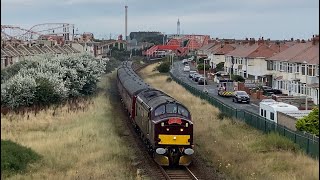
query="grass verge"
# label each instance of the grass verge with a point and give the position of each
(88, 144)
(232, 147)
(15, 158)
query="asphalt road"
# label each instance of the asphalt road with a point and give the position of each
(212, 88)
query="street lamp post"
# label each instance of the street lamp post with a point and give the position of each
(204, 75)
(306, 72)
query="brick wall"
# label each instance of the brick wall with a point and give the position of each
(288, 121)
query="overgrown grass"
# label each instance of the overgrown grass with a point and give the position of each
(87, 144)
(15, 158)
(233, 147)
(275, 142)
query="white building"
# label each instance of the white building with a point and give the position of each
(296, 70)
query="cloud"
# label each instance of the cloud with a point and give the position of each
(37, 3)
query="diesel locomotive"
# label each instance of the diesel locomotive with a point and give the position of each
(163, 123)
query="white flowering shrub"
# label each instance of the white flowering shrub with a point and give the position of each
(47, 79)
(18, 91)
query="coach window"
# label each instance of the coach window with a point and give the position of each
(272, 116)
(182, 111)
(171, 108)
(160, 110)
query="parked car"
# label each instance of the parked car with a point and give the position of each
(269, 90)
(186, 68)
(192, 73)
(202, 80)
(184, 61)
(241, 96)
(196, 76)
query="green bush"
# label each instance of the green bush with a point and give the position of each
(310, 123)
(201, 60)
(237, 78)
(200, 67)
(45, 93)
(219, 67)
(164, 67)
(15, 158)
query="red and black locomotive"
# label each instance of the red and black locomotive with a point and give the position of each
(164, 124)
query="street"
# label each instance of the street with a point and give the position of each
(212, 88)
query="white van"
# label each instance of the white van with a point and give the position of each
(268, 108)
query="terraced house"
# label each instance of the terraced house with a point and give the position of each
(248, 59)
(13, 53)
(296, 69)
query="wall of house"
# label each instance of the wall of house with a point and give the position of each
(216, 59)
(258, 67)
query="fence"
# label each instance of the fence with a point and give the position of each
(307, 142)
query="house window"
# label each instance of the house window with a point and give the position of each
(269, 65)
(290, 68)
(261, 112)
(272, 116)
(303, 69)
(285, 65)
(311, 70)
(280, 66)
(274, 65)
(297, 68)
(265, 113)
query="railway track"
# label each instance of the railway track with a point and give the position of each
(178, 173)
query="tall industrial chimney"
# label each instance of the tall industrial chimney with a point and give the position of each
(178, 27)
(126, 23)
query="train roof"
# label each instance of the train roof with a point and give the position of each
(130, 80)
(154, 97)
(136, 86)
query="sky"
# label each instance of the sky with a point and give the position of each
(274, 19)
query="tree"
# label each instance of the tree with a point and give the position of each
(200, 67)
(219, 67)
(310, 123)
(164, 67)
(237, 78)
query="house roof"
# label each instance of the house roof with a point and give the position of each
(310, 55)
(262, 51)
(291, 52)
(215, 47)
(223, 49)
(47, 49)
(278, 47)
(206, 47)
(243, 50)
(3, 53)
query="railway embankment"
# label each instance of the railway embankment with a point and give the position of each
(232, 147)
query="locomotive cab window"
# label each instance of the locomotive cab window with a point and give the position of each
(171, 108)
(160, 110)
(183, 111)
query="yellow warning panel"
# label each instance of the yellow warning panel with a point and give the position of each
(174, 139)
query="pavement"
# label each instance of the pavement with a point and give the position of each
(212, 88)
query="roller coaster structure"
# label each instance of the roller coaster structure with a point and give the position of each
(11, 32)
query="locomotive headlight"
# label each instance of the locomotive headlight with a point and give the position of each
(161, 151)
(188, 151)
(167, 129)
(181, 129)
(162, 124)
(187, 124)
